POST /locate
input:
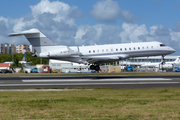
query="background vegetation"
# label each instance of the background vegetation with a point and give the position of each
(101, 103)
(19, 57)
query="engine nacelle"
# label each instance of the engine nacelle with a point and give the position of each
(63, 52)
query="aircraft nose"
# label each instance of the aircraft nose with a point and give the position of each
(172, 50)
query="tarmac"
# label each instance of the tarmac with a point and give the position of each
(74, 82)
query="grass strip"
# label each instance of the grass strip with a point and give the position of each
(91, 74)
(103, 104)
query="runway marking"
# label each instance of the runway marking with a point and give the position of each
(63, 84)
(43, 89)
(96, 80)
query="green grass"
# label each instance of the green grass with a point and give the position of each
(90, 74)
(103, 104)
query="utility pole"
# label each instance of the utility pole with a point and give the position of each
(12, 52)
(41, 60)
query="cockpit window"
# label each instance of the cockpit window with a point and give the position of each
(161, 45)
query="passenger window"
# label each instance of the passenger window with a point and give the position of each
(89, 51)
(120, 49)
(125, 48)
(93, 51)
(116, 49)
(97, 50)
(147, 47)
(151, 46)
(142, 47)
(102, 50)
(129, 48)
(111, 49)
(134, 48)
(106, 50)
(138, 48)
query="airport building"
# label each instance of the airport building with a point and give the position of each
(152, 59)
(143, 60)
(68, 67)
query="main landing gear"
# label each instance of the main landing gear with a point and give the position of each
(95, 67)
(162, 62)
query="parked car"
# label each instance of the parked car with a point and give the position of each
(176, 69)
(34, 70)
(4, 71)
(129, 68)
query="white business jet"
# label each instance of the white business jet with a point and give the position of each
(165, 65)
(92, 55)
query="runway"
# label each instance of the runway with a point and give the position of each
(120, 82)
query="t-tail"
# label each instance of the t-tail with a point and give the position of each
(38, 40)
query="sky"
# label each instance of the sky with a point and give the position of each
(88, 22)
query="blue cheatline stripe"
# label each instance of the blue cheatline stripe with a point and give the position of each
(119, 53)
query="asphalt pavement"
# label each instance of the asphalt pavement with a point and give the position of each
(116, 82)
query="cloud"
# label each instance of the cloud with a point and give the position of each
(177, 27)
(97, 34)
(57, 20)
(127, 17)
(109, 11)
(76, 13)
(62, 10)
(4, 30)
(135, 33)
(55, 7)
(64, 32)
(4, 27)
(57, 17)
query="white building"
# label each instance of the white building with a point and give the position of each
(68, 67)
(143, 60)
(71, 67)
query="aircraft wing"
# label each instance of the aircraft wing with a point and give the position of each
(99, 59)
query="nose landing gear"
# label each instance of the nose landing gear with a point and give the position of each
(162, 60)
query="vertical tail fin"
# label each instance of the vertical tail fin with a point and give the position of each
(24, 58)
(37, 39)
(177, 60)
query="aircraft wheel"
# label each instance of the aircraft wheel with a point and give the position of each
(92, 67)
(97, 67)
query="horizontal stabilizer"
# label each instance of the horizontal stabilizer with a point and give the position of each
(28, 32)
